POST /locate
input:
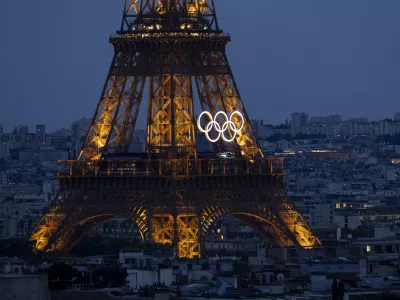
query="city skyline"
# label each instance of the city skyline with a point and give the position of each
(341, 55)
(311, 120)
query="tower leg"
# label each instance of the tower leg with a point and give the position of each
(170, 116)
(188, 245)
(125, 118)
(75, 213)
(218, 92)
(163, 228)
(102, 121)
(115, 118)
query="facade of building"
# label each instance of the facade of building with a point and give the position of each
(332, 155)
(298, 123)
(41, 134)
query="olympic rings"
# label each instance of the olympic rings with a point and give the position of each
(220, 129)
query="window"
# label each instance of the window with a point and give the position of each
(337, 205)
(368, 248)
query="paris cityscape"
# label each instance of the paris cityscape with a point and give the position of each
(170, 187)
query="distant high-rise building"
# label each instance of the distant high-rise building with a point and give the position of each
(1, 130)
(317, 120)
(79, 131)
(333, 119)
(4, 149)
(353, 126)
(362, 120)
(282, 145)
(41, 134)
(298, 122)
(21, 130)
(57, 141)
(383, 127)
(257, 125)
(344, 128)
(76, 139)
(62, 132)
(83, 125)
(397, 116)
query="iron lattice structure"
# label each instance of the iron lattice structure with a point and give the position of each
(173, 47)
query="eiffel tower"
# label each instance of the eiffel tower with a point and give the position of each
(172, 191)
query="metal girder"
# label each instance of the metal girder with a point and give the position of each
(125, 120)
(46, 228)
(218, 92)
(268, 223)
(70, 235)
(140, 215)
(170, 116)
(186, 59)
(185, 134)
(116, 114)
(149, 15)
(159, 131)
(188, 235)
(296, 224)
(163, 228)
(246, 138)
(102, 122)
(77, 212)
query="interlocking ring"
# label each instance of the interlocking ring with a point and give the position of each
(220, 129)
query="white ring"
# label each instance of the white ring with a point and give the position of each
(241, 116)
(220, 129)
(198, 121)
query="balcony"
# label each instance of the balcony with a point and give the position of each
(170, 167)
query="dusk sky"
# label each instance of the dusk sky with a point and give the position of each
(321, 57)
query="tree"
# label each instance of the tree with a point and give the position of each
(60, 276)
(303, 136)
(97, 245)
(278, 136)
(18, 248)
(388, 139)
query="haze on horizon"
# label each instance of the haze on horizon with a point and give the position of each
(336, 57)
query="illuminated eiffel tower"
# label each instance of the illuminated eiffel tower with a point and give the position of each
(174, 193)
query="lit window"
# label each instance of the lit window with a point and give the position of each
(368, 248)
(222, 237)
(218, 230)
(344, 205)
(337, 205)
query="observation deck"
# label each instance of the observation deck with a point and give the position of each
(169, 36)
(172, 168)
